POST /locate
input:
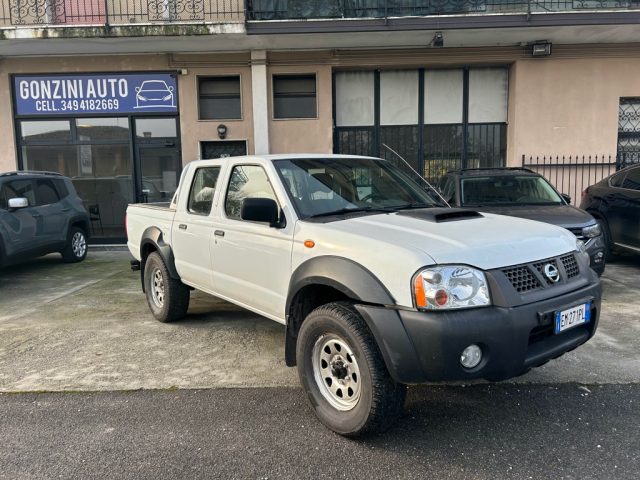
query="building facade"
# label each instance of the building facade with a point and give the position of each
(120, 95)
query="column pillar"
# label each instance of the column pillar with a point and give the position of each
(259, 94)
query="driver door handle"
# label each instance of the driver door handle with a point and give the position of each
(219, 233)
(182, 226)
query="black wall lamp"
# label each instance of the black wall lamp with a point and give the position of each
(438, 40)
(222, 131)
(541, 48)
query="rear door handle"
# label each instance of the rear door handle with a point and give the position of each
(182, 226)
(219, 233)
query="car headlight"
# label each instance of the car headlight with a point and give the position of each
(168, 97)
(591, 231)
(140, 97)
(450, 287)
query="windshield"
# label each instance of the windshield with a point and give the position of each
(322, 186)
(507, 190)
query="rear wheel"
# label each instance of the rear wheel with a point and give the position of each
(76, 249)
(341, 369)
(168, 298)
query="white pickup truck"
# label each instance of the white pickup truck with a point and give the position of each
(379, 284)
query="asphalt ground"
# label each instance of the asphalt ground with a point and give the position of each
(447, 432)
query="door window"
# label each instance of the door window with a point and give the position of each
(247, 181)
(17, 189)
(46, 192)
(202, 190)
(632, 180)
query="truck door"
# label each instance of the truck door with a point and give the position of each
(251, 261)
(193, 228)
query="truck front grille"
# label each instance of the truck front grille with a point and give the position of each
(529, 277)
(522, 279)
(570, 265)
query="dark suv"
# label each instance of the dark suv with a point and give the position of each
(519, 192)
(615, 202)
(40, 213)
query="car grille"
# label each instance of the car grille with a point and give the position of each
(570, 265)
(522, 279)
(578, 233)
(529, 277)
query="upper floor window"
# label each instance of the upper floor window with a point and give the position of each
(294, 96)
(219, 98)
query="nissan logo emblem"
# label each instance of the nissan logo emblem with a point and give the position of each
(552, 272)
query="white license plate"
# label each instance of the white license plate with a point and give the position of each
(572, 317)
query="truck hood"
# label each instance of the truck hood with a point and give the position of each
(564, 216)
(487, 242)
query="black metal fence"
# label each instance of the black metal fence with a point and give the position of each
(306, 9)
(118, 12)
(572, 174)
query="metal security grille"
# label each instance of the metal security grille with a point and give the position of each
(629, 131)
(232, 148)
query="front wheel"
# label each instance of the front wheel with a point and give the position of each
(76, 249)
(342, 370)
(168, 298)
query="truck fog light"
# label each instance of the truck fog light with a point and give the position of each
(471, 356)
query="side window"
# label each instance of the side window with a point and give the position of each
(46, 192)
(247, 181)
(632, 180)
(61, 187)
(202, 190)
(18, 189)
(447, 188)
(616, 180)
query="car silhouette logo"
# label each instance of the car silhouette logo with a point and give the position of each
(551, 272)
(154, 94)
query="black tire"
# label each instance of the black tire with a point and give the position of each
(380, 400)
(167, 297)
(76, 249)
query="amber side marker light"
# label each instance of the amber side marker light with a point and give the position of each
(421, 297)
(309, 243)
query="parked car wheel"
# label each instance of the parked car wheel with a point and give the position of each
(167, 297)
(342, 370)
(76, 249)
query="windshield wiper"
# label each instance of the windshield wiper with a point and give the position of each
(343, 211)
(407, 206)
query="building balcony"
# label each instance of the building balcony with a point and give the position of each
(115, 13)
(376, 9)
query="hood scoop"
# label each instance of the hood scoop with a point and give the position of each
(440, 215)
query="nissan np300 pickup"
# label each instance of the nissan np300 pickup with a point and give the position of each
(378, 282)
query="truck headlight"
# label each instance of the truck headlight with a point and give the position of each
(591, 231)
(449, 287)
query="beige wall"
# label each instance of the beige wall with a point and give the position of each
(307, 135)
(561, 106)
(193, 130)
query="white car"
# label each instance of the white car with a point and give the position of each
(379, 284)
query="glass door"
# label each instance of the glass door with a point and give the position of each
(157, 159)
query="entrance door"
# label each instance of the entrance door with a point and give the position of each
(158, 162)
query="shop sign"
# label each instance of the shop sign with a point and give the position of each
(95, 94)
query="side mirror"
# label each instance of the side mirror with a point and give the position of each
(19, 202)
(170, 89)
(137, 89)
(262, 210)
(567, 198)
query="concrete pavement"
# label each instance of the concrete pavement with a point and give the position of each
(87, 327)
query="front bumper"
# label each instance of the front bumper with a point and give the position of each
(423, 347)
(595, 249)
